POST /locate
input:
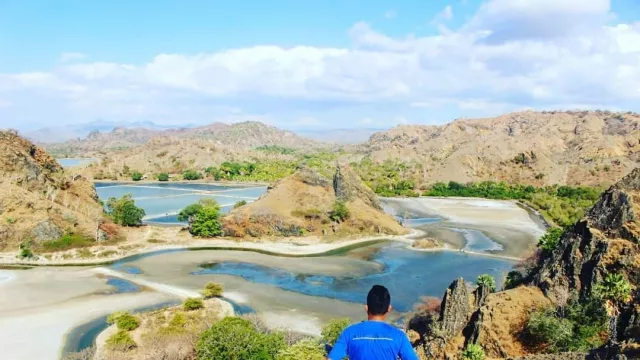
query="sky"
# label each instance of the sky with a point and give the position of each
(314, 64)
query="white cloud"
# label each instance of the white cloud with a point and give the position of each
(512, 54)
(72, 56)
(446, 14)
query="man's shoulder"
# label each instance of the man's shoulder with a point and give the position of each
(368, 326)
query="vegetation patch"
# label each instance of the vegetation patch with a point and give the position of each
(212, 290)
(121, 341)
(66, 242)
(192, 304)
(124, 211)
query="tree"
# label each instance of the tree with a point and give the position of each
(163, 177)
(212, 290)
(124, 211)
(136, 176)
(240, 204)
(332, 330)
(191, 175)
(234, 338)
(203, 218)
(513, 279)
(486, 280)
(549, 241)
(340, 211)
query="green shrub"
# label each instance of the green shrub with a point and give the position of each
(513, 279)
(614, 288)
(66, 242)
(124, 211)
(212, 290)
(551, 331)
(163, 177)
(332, 330)
(340, 212)
(121, 341)
(549, 241)
(178, 321)
(192, 304)
(486, 280)
(305, 349)
(136, 176)
(112, 318)
(203, 218)
(25, 249)
(234, 338)
(127, 322)
(10, 220)
(473, 352)
(191, 175)
(240, 203)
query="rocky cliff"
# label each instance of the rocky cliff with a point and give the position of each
(302, 204)
(604, 243)
(38, 199)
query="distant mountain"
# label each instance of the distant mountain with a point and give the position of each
(538, 148)
(57, 134)
(340, 136)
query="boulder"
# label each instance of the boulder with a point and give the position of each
(455, 308)
(46, 231)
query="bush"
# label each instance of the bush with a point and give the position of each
(240, 204)
(124, 211)
(237, 339)
(614, 288)
(305, 349)
(192, 304)
(473, 352)
(549, 241)
(25, 249)
(191, 175)
(513, 279)
(486, 280)
(127, 322)
(163, 177)
(332, 330)
(203, 218)
(121, 341)
(340, 212)
(67, 241)
(212, 290)
(136, 176)
(552, 332)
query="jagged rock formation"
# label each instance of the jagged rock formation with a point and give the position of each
(575, 148)
(605, 242)
(38, 199)
(301, 205)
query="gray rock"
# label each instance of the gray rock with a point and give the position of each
(46, 231)
(455, 308)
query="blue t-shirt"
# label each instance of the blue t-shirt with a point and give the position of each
(372, 340)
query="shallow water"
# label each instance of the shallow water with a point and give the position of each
(75, 162)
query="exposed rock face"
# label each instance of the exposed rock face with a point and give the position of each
(455, 309)
(46, 231)
(348, 186)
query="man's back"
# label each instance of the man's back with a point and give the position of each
(372, 340)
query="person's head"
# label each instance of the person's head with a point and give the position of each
(378, 302)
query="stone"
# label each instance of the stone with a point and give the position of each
(46, 231)
(348, 186)
(455, 308)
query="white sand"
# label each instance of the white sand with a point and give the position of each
(5, 277)
(39, 334)
(292, 320)
(236, 296)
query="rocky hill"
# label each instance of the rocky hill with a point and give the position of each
(39, 200)
(304, 204)
(526, 147)
(602, 248)
(244, 135)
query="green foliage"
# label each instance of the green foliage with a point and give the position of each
(178, 321)
(212, 290)
(191, 175)
(332, 330)
(276, 149)
(192, 304)
(203, 218)
(124, 211)
(486, 280)
(514, 278)
(577, 327)
(237, 339)
(25, 249)
(163, 177)
(473, 352)
(305, 349)
(121, 341)
(240, 203)
(66, 242)
(136, 176)
(549, 241)
(340, 211)
(614, 288)
(125, 321)
(10, 220)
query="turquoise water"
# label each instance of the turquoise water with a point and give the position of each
(75, 162)
(163, 201)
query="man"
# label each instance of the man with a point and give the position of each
(374, 339)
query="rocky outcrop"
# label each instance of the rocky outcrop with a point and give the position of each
(348, 187)
(455, 308)
(46, 231)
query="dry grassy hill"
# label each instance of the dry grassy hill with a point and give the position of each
(526, 147)
(302, 203)
(38, 199)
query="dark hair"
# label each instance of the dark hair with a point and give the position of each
(378, 300)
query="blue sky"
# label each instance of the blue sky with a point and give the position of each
(312, 64)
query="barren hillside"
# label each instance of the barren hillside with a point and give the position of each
(528, 147)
